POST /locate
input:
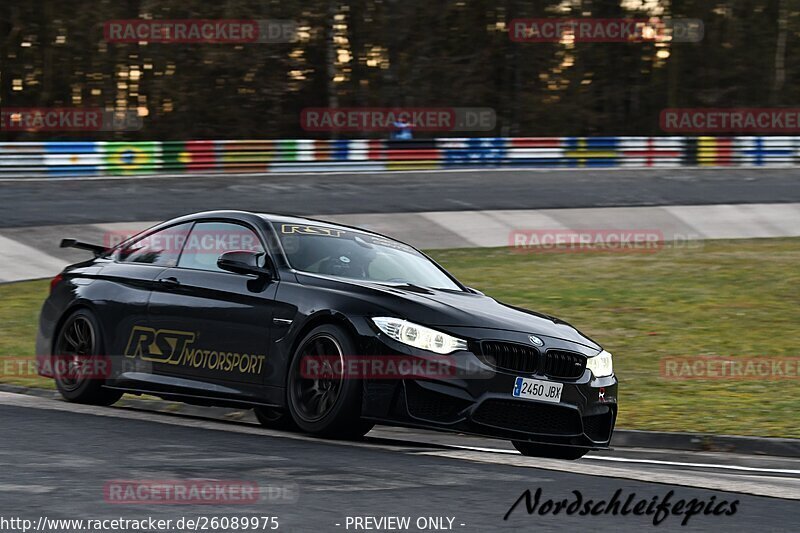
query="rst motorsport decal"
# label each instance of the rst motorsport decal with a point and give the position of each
(174, 347)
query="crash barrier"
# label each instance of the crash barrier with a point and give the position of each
(304, 155)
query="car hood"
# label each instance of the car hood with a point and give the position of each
(434, 307)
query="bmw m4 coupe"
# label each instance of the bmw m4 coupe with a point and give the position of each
(320, 328)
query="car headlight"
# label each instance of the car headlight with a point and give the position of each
(419, 336)
(601, 364)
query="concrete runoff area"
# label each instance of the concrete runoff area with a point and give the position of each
(33, 252)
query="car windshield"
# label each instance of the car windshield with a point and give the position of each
(356, 255)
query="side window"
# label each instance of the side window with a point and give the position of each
(209, 240)
(161, 248)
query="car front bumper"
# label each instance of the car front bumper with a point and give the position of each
(477, 398)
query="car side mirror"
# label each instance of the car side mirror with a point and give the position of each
(246, 262)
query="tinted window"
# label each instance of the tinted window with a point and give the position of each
(353, 254)
(161, 248)
(209, 240)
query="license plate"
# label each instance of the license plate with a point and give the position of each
(535, 389)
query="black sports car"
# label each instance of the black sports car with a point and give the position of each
(319, 327)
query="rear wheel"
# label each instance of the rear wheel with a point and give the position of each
(79, 361)
(532, 449)
(325, 404)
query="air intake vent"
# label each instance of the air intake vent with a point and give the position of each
(528, 417)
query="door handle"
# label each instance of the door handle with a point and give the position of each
(169, 283)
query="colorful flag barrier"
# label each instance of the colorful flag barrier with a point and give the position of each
(89, 158)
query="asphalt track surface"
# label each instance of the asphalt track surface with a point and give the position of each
(59, 457)
(49, 201)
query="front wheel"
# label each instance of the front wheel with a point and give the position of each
(80, 364)
(323, 403)
(273, 418)
(532, 449)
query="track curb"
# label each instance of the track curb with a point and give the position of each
(706, 442)
(623, 438)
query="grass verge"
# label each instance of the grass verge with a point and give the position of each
(19, 315)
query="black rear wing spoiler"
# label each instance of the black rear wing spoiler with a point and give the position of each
(96, 249)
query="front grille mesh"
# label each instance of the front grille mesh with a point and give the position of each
(598, 427)
(429, 405)
(528, 417)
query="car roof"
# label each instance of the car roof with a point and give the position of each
(276, 218)
(287, 219)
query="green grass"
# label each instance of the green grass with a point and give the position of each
(19, 315)
(734, 298)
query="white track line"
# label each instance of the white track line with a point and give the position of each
(696, 465)
(648, 461)
(771, 486)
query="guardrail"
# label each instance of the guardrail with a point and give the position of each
(303, 155)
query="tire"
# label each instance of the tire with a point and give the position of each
(532, 449)
(79, 343)
(328, 407)
(272, 418)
